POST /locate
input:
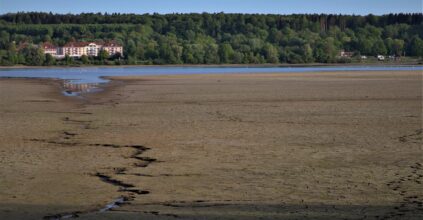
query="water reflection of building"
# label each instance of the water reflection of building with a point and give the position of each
(74, 88)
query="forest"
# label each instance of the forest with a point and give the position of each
(212, 38)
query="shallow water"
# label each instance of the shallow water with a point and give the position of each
(76, 89)
(114, 204)
(91, 77)
(78, 75)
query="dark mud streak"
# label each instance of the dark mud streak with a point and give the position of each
(225, 117)
(415, 137)
(160, 214)
(69, 133)
(67, 119)
(55, 142)
(136, 191)
(41, 101)
(194, 205)
(167, 175)
(123, 187)
(59, 112)
(62, 216)
(120, 170)
(105, 145)
(115, 182)
(128, 190)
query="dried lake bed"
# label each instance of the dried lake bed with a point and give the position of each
(304, 145)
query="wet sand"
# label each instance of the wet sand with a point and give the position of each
(345, 145)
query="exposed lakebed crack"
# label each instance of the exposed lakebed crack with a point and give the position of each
(66, 138)
(415, 137)
(128, 189)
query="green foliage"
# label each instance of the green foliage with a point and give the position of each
(4, 60)
(325, 51)
(49, 60)
(68, 60)
(34, 56)
(226, 53)
(84, 59)
(271, 53)
(103, 55)
(398, 47)
(307, 53)
(212, 38)
(379, 48)
(416, 47)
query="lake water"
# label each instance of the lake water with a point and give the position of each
(92, 76)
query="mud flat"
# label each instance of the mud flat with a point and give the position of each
(339, 145)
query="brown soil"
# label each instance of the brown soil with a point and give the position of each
(345, 145)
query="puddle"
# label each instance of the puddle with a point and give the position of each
(68, 216)
(114, 204)
(76, 89)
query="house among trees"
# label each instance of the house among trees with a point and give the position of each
(77, 49)
(343, 53)
(49, 48)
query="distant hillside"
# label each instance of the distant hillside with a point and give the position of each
(216, 38)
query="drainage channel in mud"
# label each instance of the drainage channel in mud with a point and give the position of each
(66, 138)
(129, 191)
(114, 204)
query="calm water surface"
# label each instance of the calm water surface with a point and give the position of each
(92, 76)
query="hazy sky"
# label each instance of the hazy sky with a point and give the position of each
(235, 6)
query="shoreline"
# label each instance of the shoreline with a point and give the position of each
(113, 80)
(219, 65)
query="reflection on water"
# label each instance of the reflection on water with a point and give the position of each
(75, 89)
(97, 74)
(86, 79)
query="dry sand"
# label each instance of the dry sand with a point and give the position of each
(345, 145)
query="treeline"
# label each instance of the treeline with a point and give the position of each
(272, 20)
(216, 38)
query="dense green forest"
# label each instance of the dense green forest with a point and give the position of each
(213, 38)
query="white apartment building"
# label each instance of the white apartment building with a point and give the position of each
(77, 49)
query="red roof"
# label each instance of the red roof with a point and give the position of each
(76, 44)
(84, 44)
(48, 45)
(111, 44)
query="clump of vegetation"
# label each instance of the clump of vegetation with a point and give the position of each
(212, 38)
